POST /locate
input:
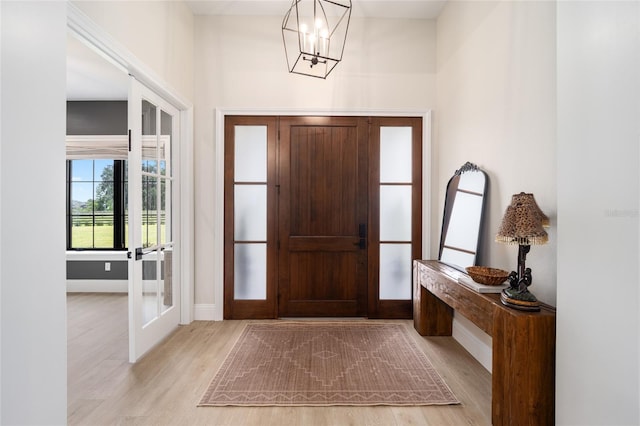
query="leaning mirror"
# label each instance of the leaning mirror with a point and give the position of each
(462, 218)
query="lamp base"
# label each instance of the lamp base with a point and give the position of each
(523, 301)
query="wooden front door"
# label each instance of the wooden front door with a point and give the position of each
(322, 216)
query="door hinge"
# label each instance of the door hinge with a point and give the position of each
(129, 140)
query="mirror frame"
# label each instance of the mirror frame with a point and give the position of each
(452, 189)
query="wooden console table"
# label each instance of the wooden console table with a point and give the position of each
(523, 377)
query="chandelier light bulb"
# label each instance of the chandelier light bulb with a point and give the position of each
(314, 34)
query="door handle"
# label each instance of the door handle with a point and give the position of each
(139, 253)
(362, 235)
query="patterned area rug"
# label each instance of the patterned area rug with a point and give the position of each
(326, 363)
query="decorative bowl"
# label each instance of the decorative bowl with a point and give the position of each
(487, 276)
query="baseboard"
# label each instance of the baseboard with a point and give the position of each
(97, 286)
(204, 312)
(474, 340)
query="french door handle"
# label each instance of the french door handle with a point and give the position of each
(139, 253)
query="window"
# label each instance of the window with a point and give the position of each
(396, 192)
(96, 204)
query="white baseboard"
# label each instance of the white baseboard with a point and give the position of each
(474, 340)
(97, 286)
(205, 312)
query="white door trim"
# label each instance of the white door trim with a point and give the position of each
(218, 214)
(92, 34)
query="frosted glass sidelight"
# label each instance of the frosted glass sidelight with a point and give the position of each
(395, 272)
(251, 153)
(250, 271)
(395, 154)
(395, 213)
(250, 213)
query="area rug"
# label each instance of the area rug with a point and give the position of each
(325, 364)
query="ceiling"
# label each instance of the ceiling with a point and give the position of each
(416, 9)
(91, 77)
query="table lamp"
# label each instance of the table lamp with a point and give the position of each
(523, 224)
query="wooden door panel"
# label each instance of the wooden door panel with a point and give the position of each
(323, 276)
(322, 206)
(324, 167)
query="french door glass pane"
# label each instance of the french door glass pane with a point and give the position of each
(163, 212)
(395, 271)
(395, 213)
(149, 211)
(164, 148)
(250, 153)
(149, 287)
(250, 271)
(149, 143)
(166, 279)
(395, 154)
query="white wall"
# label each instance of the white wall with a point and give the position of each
(240, 63)
(496, 108)
(158, 33)
(32, 174)
(598, 328)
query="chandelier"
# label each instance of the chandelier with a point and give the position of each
(314, 33)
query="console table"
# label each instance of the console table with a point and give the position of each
(523, 377)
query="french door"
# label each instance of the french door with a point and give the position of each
(154, 293)
(322, 216)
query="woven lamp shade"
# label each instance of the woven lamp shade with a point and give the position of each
(529, 200)
(523, 222)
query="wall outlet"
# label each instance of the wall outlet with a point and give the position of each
(107, 266)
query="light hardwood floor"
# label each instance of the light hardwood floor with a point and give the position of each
(165, 386)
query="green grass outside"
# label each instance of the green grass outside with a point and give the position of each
(83, 236)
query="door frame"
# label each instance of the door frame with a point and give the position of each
(218, 214)
(93, 35)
